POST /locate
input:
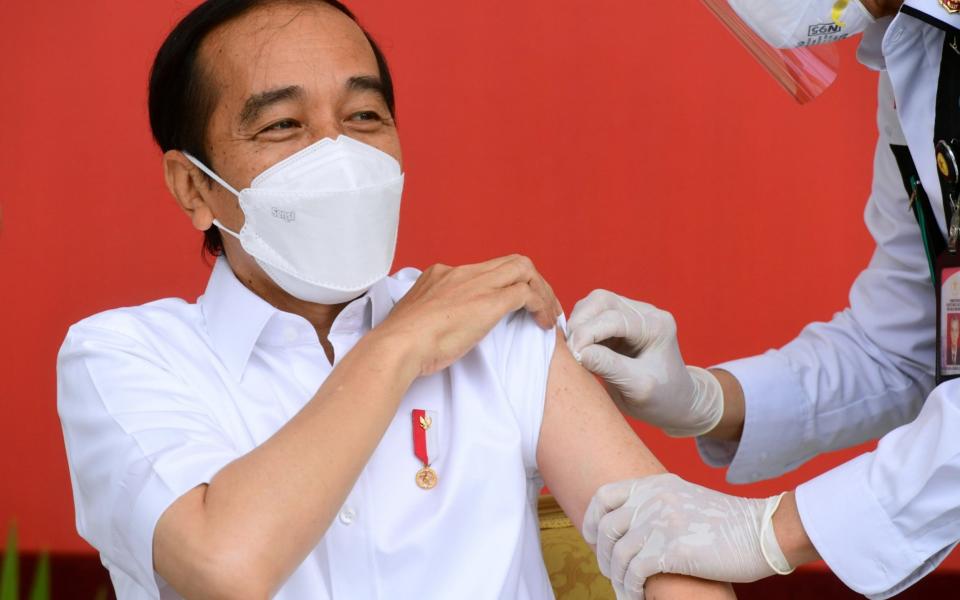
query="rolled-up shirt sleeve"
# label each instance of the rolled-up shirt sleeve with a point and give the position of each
(901, 501)
(858, 376)
(523, 354)
(137, 439)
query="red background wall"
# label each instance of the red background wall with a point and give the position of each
(627, 145)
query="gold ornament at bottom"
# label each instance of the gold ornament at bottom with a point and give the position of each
(426, 478)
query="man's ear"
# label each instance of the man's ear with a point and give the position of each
(188, 185)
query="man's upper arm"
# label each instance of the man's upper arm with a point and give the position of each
(584, 440)
(136, 441)
(584, 444)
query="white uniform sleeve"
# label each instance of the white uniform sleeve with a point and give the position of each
(862, 374)
(524, 352)
(902, 500)
(136, 438)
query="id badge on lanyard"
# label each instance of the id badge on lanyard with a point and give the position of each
(943, 255)
(948, 317)
(947, 269)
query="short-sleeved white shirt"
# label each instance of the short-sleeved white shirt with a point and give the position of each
(155, 400)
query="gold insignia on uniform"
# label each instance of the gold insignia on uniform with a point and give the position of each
(951, 6)
(942, 165)
(947, 160)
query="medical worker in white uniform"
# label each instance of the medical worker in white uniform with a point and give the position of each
(887, 518)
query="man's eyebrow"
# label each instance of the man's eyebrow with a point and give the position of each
(363, 83)
(255, 104)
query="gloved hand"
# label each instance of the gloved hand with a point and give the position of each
(633, 347)
(663, 524)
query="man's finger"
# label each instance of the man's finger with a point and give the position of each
(551, 306)
(517, 269)
(538, 298)
(475, 269)
(514, 297)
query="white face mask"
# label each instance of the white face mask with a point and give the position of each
(795, 23)
(323, 222)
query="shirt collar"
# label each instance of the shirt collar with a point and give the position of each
(933, 13)
(236, 319)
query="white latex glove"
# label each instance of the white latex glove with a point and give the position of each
(633, 347)
(663, 524)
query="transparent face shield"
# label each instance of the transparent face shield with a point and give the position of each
(792, 38)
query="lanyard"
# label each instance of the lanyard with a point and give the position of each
(934, 244)
(943, 254)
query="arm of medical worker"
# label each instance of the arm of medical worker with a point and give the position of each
(242, 535)
(857, 377)
(881, 521)
(584, 444)
(838, 384)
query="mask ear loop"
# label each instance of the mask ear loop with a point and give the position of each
(219, 180)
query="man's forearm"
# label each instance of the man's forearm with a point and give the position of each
(268, 508)
(730, 427)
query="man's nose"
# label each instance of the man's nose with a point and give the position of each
(328, 126)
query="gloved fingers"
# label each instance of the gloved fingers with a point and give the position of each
(633, 549)
(608, 498)
(592, 305)
(604, 326)
(613, 526)
(606, 363)
(637, 573)
(641, 308)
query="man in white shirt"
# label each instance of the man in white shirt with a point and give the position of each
(258, 444)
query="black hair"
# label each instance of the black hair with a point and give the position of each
(180, 98)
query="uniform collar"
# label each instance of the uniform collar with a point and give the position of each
(933, 13)
(237, 320)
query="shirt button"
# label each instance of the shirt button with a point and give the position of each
(347, 516)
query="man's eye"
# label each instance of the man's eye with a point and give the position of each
(366, 115)
(281, 125)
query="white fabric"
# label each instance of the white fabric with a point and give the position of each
(794, 23)
(156, 399)
(889, 517)
(322, 223)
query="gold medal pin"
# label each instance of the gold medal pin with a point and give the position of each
(426, 477)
